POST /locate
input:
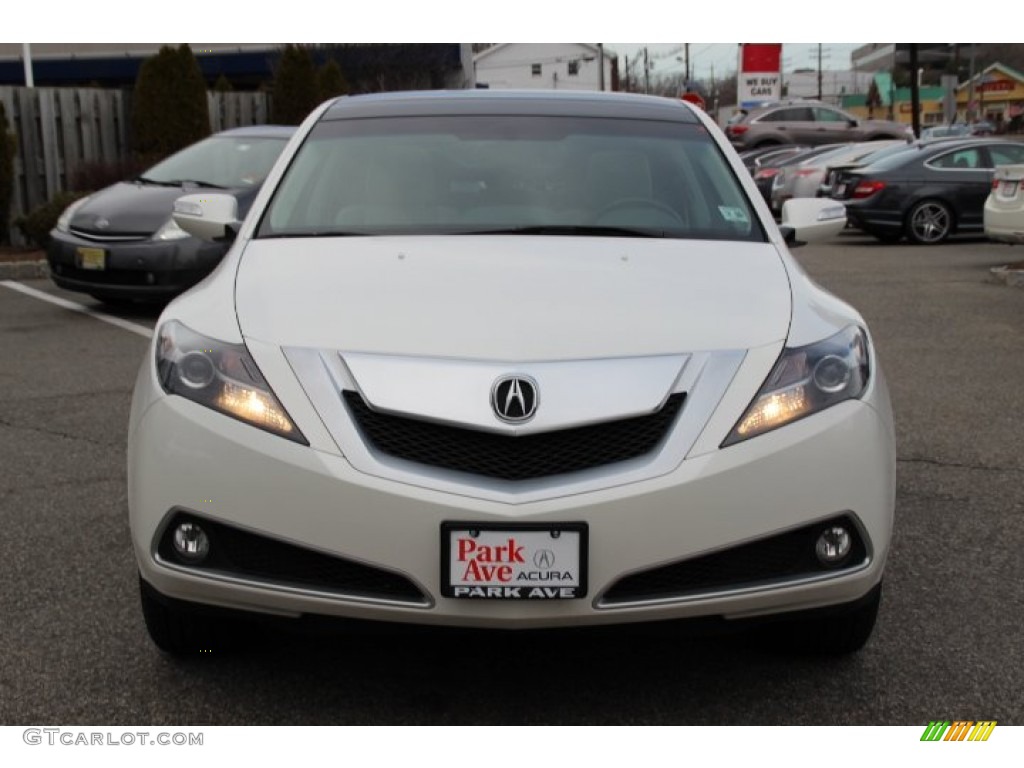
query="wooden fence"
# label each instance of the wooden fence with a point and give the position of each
(57, 129)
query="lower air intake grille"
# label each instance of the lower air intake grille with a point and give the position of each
(508, 457)
(784, 557)
(246, 555)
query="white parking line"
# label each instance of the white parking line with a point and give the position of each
(124, 324)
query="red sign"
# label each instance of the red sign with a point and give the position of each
(997, 85)
(761, 57)
(694, 98)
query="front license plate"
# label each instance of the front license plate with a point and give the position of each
(91, 258)
(514, 562)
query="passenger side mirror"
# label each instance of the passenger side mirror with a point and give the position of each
(812, 219)
(211, 216)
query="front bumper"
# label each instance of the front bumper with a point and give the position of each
(139, 269)
(183, 457)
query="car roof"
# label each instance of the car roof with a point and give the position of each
(511, 102)
(259, 132)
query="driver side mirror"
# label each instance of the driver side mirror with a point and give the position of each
(853, 122)
(211, 216)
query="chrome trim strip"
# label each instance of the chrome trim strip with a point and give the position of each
(733, 592)
(574, 393)
(704, 378)
(237, 581)
(105, 238)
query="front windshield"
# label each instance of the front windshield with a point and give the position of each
(510, 174)
(220, 161)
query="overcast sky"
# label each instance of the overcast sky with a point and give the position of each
(724, 56)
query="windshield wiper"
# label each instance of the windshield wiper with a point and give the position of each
(195, 183)
(144, 180)
(178, 183)
(569, 229)
(324, 233)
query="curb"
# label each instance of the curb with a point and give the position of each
(1007, 276)
(24, 270)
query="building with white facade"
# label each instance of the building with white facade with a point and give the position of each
(570, 66)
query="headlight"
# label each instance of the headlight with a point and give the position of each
(806, 380)
(220, 376)
(170, 231)
(64, 221)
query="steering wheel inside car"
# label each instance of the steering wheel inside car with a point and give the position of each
(666, 214)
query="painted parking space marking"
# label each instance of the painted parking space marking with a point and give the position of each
(126, 325)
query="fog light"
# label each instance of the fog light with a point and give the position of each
(191, 542)
(833, 545)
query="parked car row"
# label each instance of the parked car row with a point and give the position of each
(924, 191)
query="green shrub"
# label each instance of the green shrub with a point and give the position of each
(170, 109)
(331, 80)
(223, 85)
(36, 225)
(7, 146)
(296, 91)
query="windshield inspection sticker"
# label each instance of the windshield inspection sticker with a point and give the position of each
(737, 215)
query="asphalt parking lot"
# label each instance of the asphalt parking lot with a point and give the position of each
(948, 644)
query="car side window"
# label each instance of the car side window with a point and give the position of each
(791, 115)
(823, 115)
(1007, 155)
(961, 159)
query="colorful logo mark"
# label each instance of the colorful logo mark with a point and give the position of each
(960, 730)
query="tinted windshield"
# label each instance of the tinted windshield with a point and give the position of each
(221, 161)
(527, 174)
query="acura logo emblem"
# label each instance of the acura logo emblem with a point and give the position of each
(514, 398)
(544, 558)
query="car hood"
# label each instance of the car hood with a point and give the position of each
(528, 298)
(133, 208)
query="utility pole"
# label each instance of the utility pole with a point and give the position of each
(969, 115)
(686, 57)
(26, 52)
(600, 66)
(915, 93)
(647, 73)
(819, 71)
(627, 74)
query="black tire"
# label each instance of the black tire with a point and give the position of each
(185, 632)
(929, 222)
(836, 633)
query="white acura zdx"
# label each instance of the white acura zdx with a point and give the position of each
(510, 360)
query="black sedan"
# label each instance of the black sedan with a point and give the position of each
(121, 243)
(925, 193)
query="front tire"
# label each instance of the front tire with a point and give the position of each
(183, 632)
(929, 222)
(829, 634)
